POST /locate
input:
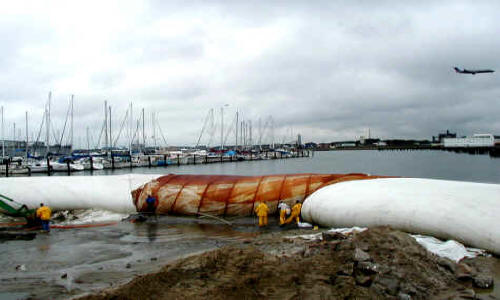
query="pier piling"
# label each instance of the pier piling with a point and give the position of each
(48, 166)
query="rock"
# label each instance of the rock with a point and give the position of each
(360, 255)
(307, 251)
(407, 288)
(467, 294)
(154, 258)
(403, 296)
(346, 269)
(483, 281)
(20, 268)
(344, 285)
(128, 266)
(447, 264)
(363, 280)
(332, 236)
(390, 283)
(64, 276)
(367, 267)
(463, 272)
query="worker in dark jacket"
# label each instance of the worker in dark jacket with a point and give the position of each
(151, 203)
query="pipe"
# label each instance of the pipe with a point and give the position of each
(230, 195)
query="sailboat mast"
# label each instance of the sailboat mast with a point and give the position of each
(71, 141)
(143, 132)
(131, 126)
(154, 128)
(3, 138)
(250, 134)
(236, 131)
(88, 143)
(106, 124)
(110, 132)
(27, 135)
(222, 128)
(47, 125)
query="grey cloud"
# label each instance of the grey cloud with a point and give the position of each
(341, 68)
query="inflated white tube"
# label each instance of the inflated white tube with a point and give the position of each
(464, 211)
(76, 192)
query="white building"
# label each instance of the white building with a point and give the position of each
(476, 140)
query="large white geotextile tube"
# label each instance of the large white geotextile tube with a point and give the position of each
(76, 192)
(464, 211)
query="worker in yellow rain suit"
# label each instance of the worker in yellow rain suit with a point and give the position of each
(262, 210)
(284, 210)
(44, 213)
(295, 215)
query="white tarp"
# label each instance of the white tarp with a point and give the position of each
(463, 211)
(450, 249)
(112, 192)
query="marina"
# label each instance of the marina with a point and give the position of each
(96, 163)
(249, 150)
(132, 146)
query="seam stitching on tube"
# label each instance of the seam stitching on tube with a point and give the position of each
(203, 195)
(230, 195)
(307, 187)
(172, 176)
(256, 192)
(281, 191)
(177, 196)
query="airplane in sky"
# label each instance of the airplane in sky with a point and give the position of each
(473, 72)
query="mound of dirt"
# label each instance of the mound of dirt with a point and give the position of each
(379, 263)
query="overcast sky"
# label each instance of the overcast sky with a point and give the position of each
(326, 69)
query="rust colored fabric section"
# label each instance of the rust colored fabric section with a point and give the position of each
(232, 195)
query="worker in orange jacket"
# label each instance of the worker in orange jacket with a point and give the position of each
(262, 210)
(295, 215)
(44, 213)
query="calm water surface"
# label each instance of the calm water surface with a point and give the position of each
(422, 164)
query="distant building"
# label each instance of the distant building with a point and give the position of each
(476, 140)
(439, 139)
(311, 145)
(323, 146)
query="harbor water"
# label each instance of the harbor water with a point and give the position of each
(69, 262)
(421, 164)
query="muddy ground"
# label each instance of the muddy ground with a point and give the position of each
(379, 263)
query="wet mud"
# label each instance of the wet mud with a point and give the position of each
(380, 263)
(72, 262)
